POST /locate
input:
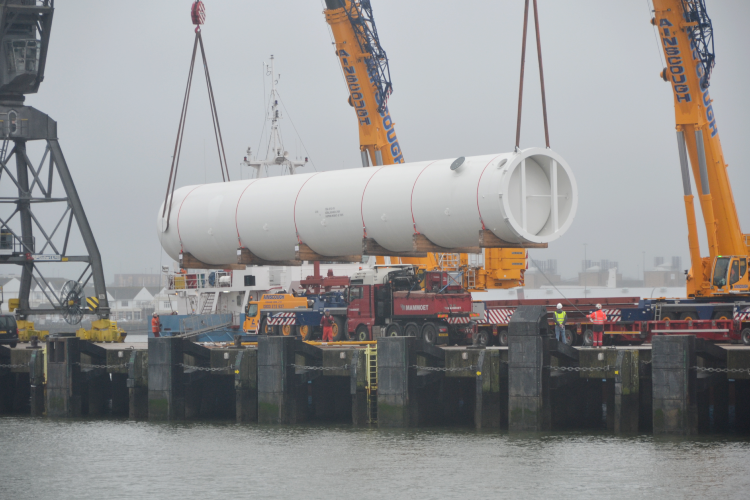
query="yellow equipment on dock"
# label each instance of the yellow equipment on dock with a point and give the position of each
(26, 330)
(102, 330)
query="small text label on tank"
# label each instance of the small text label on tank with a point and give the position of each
(332, 212)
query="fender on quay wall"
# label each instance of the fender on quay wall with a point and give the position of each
(529, 197)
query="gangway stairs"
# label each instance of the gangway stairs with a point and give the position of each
(208, 304)
(371, 359)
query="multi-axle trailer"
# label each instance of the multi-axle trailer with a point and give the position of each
(629, 320)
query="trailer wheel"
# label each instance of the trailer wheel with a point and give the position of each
(722, 315)
(339, 329)
(411, 330)
(502, 337)
(482, 338)
(362, 333)
(287, 330)
(13, 345)
(689, 316)
(588, 337)
(745, 336)
(265, 328)
(429, 333)
(393, 330)
(569, 338)
(305, 332)
(665, 316)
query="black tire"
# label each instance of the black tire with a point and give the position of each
(265, 329)
(483, 338)
(502, 338)
(306, 332)
(339, 329)
(745, 336)
(362, 333)
(393, 330)
(13, 345)
(429, 333)
(569, 337)
(350, 336)
(670, 316)
(411, 330)
(689, 315)
(588, 337)
(722, 315)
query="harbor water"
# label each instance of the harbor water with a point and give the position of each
(119, 459)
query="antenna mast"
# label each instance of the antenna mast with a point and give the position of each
(277, 155)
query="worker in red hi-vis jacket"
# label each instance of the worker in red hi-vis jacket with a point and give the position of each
(598, 317)
(155, 325)
(327, 323)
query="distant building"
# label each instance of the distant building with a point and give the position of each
(666, 273)
(597, 273)
(148, 280)
(131, 303)
(535, 279)
(40, 294)
(541, 273)
(126, 303)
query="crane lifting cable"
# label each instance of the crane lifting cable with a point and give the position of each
(198, 16)
(541, 73)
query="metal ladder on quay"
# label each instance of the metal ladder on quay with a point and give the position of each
(371, 360)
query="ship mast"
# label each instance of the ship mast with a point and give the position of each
(276, 155)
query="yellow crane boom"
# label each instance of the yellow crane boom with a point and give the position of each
(365, 67)
(686, 35)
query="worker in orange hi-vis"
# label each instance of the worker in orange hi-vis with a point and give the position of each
(598, 317)
(155, 325)
(327, 323)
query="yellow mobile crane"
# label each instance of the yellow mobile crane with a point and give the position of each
(365, 67)
(686, 35)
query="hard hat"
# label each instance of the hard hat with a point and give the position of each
(559, 306)
(326, 310)
(598, 306)
(155, 313)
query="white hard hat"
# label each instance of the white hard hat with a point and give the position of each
(598, 306)
(559, 306)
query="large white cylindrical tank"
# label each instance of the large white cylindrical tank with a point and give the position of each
(525, 197)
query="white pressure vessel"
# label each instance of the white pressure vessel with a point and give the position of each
(528, 196)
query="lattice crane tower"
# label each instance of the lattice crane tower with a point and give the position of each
(25, 239)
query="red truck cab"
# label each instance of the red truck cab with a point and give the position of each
(389, 301)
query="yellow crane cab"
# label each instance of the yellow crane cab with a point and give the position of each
(254, 317)
(730, 274)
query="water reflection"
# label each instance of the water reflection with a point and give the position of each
(95, 459)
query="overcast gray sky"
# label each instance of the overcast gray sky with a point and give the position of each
(116, 74)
